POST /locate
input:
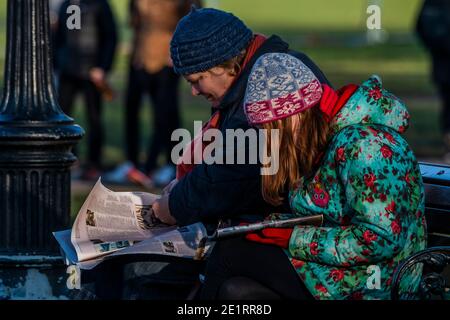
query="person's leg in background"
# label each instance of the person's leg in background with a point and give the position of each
(130, 169)
(267, 268)
(163, 90)
(132, 106)
(169, 94)
(93, 101)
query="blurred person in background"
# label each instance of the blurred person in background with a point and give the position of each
(150, 72)
(433, 28)
(83, 59)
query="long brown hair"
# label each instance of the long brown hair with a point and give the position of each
(302, 139)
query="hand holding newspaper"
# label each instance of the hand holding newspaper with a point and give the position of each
(111, 223)
(115, 223)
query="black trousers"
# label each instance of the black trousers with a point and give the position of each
(239, 269)
(444, 90)
(68, 89)
(163, 90)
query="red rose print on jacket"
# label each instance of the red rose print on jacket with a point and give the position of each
(313, 248)
(395, 227)
(321, 288)
(369, 180)
(389, 137)
(340, 154)
(363, 133)
(375, 93)
(337, 275)
(369, 236)
(366, 119)
(409, 178)
(391, 207)
(386, 152)
(297, 263)
(320, 197)
(374, 131)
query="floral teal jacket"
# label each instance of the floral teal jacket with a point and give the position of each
(370, 191)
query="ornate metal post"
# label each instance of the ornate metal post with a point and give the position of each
(36, 139)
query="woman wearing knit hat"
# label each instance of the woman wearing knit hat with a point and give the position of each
(215, 51)
(342, 155)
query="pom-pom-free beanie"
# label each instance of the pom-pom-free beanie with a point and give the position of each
(205, 38)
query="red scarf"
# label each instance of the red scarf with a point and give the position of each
(186, 162)
(333, 101)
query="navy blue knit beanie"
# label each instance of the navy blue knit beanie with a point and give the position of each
(206, 38)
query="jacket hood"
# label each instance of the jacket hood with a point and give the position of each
(371, 104)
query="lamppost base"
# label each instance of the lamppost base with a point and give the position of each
(33, 278)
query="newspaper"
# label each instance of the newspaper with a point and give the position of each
(111, 223)
(115, 223)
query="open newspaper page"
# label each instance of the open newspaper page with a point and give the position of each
(181, 242)
(109, 221)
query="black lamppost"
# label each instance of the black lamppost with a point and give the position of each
(36, 139)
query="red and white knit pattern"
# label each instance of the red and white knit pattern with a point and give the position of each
(279, 86)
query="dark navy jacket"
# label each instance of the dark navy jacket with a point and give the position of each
(218, 191)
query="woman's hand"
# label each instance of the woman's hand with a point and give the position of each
(97, 76)
(161, 210)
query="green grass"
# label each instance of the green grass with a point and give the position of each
(324, 15)
(317, 15)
